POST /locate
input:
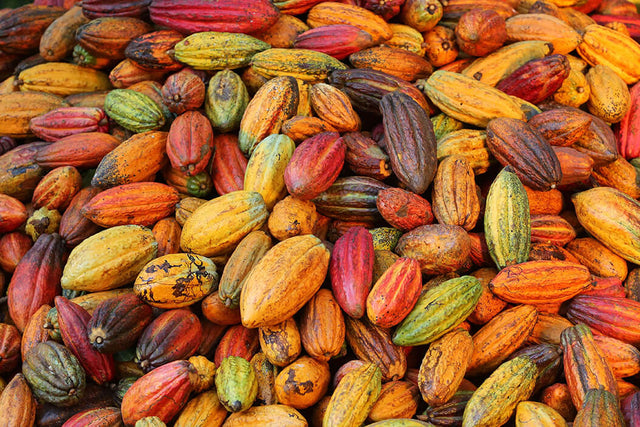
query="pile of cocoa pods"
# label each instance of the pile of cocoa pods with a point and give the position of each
(312, 213)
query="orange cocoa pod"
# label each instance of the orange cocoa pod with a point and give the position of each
(557, 396)
(576, 166)
(623, 358)
(551, 229)
(444, 365)
(35, 331)
(561, 126)
(17, 403)
(394, 61)
(322, 327)
(544, 202)
(619, 174)
(441, 45)
(128, 72)
(109, 36)
(134, 160)
(167, 233)
(217, 312)
(22, 28)
(480, 255)
(395, 293)
(600, 260)
(13, 213)
(548, 328)
(365, 157)
(403, 209)
(283, 33)
(302, 383)
(398, 399)
(489, 305)
(140, 203)
(334, 107)
(57, 188)
(300, 128)
(454, 196)
(540, 282)
(327, 13)
(292, 217)
(504, 334)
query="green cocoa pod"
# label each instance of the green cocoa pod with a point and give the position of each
(438, 311)
(236, 384)
(226, 100)
(54, 374)
(133, 110)
(507, 222)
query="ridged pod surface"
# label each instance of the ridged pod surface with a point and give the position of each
(507, 222)
(218, 225)
(284, 279)
(438, 311)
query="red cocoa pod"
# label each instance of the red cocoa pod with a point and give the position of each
(22, 27)
(95, 417)
(133, 8)
(75, 227)
(403, 209)
(605, 287)
(175, 334)
(73, 321)
(237, 341)
(183, 91)
(13, 246)
(6, 144)
(190, 143)
(351, 270)
(480, 32)
(365, 157)
(337, 40)
(13, 213)
(632, 22)
(161, 393)
(117, 323)
(228, 165)
(538, 79)
(57, 188)
(10, 342)
(36, 280)
(81, 150)
(611, 316)
(409, 140)
(628, 130)
(65, 121)
(315, 165)
(230, 16)
(395, 293)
